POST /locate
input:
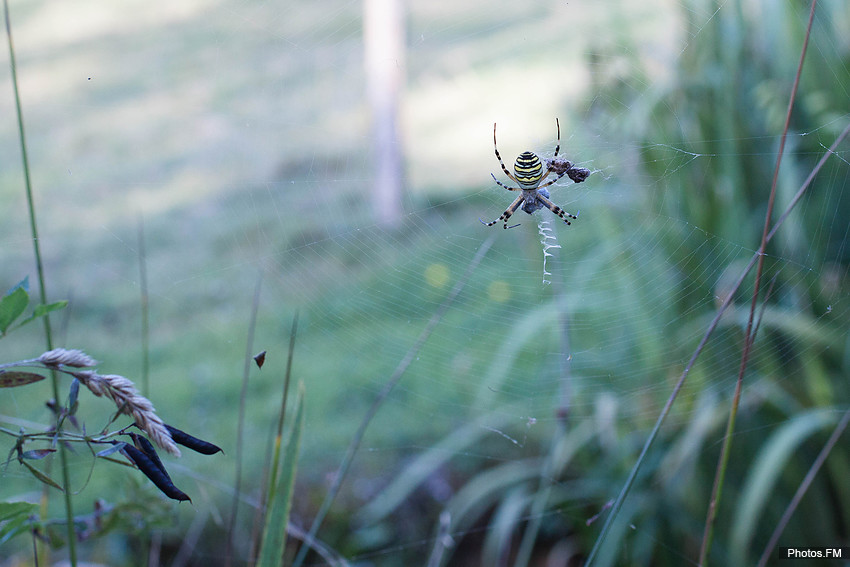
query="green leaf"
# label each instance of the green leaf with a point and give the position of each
(15, 378)
(42, 310)
(11, 307)
(73, 393)
(765, 472)
(23, 284)
(114, 449)
(14, 519)
(41, 476)
(277, 514)
(37, 454)
(11, 510)
(12, 528)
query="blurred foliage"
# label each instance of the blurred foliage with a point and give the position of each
(726, 99)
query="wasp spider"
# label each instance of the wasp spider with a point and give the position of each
(528, 174)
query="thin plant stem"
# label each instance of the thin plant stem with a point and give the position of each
(382, 395)
(270, 470)
(26, 168)
(63, 457)
(621, 497)
(144, 303)
(34, 549)
(444, 540)
(749, 336)
(331, 556)
(190, 540)
(764, 304)
(240, 425)
(282, 415)
(804, 486)
(155, 543)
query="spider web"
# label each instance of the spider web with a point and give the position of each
(237, 135)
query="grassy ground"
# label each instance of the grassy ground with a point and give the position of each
(244, 145)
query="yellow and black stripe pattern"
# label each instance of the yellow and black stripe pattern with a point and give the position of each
(528, 170)
(528, 173)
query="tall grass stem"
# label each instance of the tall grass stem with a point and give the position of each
(749, 336)
(282, 414)
(63, 457)
(144, 304)
(240, 424)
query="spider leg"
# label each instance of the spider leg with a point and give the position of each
(545, 175)
(550, 182)
(556, 209)
(498, 157)
(558, 147)
(507, 214)
(549, 169)
(503, 185)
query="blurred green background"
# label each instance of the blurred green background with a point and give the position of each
(239, 134)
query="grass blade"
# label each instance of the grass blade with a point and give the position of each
(240, 423)
(722, 464)
(804, 486)
(63, 458)
(280, 492)
(768, 465)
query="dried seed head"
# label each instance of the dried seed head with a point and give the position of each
(69, 357)
(128, 400)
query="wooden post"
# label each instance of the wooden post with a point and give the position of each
(384, 43)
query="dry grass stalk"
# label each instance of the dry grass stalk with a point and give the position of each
(117, 388)
(68, 357)
(128, 400)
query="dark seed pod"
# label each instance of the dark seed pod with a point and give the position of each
(157, 475)
(147, 448)
(198, 445)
